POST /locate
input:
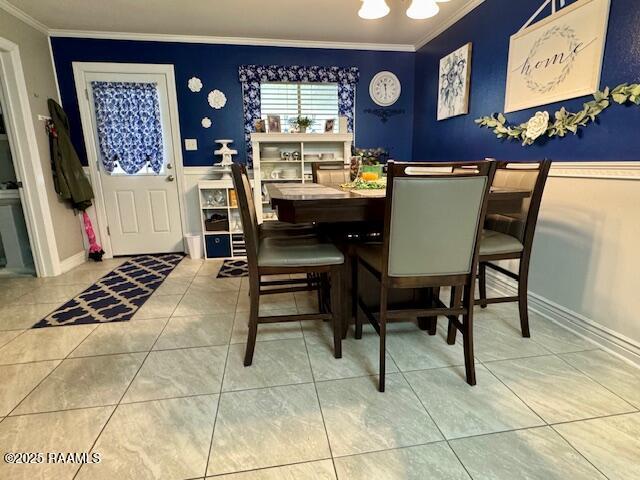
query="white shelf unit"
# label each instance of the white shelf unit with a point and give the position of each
(333, 147)
(214, 197)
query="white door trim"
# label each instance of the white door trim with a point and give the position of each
(80, 69)
(27, 162)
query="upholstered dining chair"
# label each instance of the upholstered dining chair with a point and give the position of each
(331, 174)
(432, 224)
(268, 256)
(510, 237)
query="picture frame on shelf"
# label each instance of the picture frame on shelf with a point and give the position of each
(261, 126)
(343, 124)
(274, 123)
(329, 125)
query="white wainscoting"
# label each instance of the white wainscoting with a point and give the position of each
(585, 271)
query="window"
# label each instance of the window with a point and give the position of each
(318, 101)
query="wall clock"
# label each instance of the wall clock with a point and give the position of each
(385, 88)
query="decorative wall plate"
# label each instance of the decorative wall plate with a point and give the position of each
(217, 99)
(206, 122)
(195, 84)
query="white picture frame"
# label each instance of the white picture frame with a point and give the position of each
(454, 83)
(557, 58)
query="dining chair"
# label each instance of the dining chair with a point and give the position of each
(268, 256)
(510, 237)
(432, 224)
(331, 174)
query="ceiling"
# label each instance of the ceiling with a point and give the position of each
(329, 21)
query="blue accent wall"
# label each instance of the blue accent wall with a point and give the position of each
(217, 67)
(489, 26)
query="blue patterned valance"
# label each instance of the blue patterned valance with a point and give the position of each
(252, 75)
(128, 124)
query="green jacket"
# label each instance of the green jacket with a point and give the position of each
(69, 179)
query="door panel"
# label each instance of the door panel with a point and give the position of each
(142, 210)
(159, 211)
(126, 211)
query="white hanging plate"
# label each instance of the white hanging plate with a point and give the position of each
(217, 99)
(195, 84)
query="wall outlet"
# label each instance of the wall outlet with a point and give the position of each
(190, 144)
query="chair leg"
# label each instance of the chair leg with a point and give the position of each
(320, 295)
(354, 299)
(433, 322)
(253, 322)
(523, 302)
(482, 282)
(383, 337)
(336, 310)
(430, 324)
(467, 336)
(456, 299)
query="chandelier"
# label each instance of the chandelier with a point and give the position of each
(419, 9)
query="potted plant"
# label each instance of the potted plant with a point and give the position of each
(371, 162)
(300, 123)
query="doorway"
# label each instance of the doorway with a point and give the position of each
(135, 160)
(15, 249)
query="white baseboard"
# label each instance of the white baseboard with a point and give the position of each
(73, 261)
(605, 338)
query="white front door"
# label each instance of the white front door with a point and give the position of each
(143, 209)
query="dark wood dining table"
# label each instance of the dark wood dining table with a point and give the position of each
(310, 202)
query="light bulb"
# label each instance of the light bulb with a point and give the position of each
(421, 9)
(373, 9)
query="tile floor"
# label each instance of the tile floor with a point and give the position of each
(165, 395)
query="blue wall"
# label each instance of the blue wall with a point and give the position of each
(217, 67)
(489, 27)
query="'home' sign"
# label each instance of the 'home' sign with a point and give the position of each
(559, 57)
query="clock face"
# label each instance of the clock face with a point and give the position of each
(385, 89)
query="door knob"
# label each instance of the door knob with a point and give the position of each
(170, 178)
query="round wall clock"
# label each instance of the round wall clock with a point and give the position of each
(385, 88)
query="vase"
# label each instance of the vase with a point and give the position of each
(302, 129)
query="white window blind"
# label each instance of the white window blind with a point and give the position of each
(318, 101)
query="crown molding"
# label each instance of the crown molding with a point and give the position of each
(449, 23)
(248, 41)
(28, 19)
(267, 42)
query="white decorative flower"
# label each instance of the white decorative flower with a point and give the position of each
(217, 99)
(206, 122)
(195, 84)
(537, 125)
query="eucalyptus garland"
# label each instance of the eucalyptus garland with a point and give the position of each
(564, 122)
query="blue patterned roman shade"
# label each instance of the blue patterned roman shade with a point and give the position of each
(251, 76)
(128, 124)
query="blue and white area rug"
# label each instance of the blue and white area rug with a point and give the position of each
(118, 295)
(234, 268)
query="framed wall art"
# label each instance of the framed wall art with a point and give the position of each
(453, 86)
(557, 58)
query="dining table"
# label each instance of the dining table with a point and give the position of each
(312, 202)
(341, 208)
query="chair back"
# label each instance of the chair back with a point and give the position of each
(531, 176)
(248, 215)
(331, 174)
(434, 216)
